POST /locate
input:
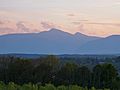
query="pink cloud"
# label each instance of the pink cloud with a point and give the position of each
(7, 30)
(109, 24)
(22, 27)
(76, 23)
(71, 15)
(80, 21)
(81, 28)
(1, 22)
(47, 25)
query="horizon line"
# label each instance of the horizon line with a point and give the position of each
(56, 30)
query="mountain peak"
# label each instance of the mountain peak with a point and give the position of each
(58, 31)
(55, 30)
(79, 34)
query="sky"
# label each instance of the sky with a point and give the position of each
(90, 17)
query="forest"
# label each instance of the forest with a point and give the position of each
(50, 73)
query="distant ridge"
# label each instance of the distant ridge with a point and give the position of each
(108, 45)
(56, 41)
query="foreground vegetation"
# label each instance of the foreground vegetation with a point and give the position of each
(64, 76)
(12, 86)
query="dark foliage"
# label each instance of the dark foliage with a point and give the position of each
(51, 70)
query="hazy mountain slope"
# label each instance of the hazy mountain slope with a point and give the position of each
(108, 45)
(53, 41)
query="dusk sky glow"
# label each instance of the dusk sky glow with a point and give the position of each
(90, 17)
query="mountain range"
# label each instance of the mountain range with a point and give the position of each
(56, 41)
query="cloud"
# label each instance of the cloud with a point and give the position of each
(1, 23)
(116, 3)
(47, 25)
(108, 24)
(6, 30)
(85, 20)
(79, 22)
(76, 23)
(22, 27)
(81, 28)
(71, 15)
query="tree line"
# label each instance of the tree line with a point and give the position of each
(49, 69)
(30, 86)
